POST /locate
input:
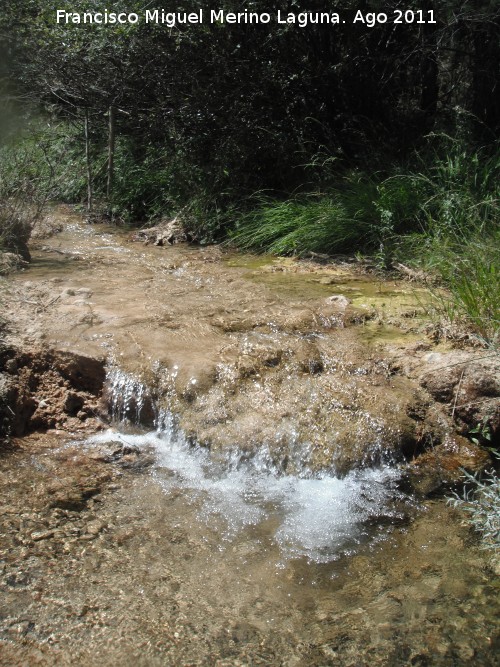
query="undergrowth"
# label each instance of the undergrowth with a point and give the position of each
(440, 215)
(481, 501)
(26, 181)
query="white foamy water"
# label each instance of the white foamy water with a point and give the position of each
(318, 516)
(127, 396)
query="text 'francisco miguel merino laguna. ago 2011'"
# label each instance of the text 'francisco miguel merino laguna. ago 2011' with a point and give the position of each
(220, 16)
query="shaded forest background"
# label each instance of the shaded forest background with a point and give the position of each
(285, 139)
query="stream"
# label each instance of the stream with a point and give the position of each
(245, 502)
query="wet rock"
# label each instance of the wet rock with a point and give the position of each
(120, 449)
(84, 373)
(95, 527)
(257, 357)
(317, 419)
(338, 300)
(298, 320)
(200, 384)
(470, 385)
(73, 501)
(73, 402)
(137, 463)
(84, 292)
(49, 388)
(232, 324)
(43, 535)
(247, 366)
(72, 494)
(308, 358)
(10, 366)
(444, 464)
(103, 454)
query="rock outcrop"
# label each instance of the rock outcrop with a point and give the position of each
(43, 388)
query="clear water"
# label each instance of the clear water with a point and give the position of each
(317, 516)
(211, 559)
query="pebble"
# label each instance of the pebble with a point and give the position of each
(95, 527)
(338, 300)
(84, 292)
(44, 535)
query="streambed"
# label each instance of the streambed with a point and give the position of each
(288, 537)
(165, 566)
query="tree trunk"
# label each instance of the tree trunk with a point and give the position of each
(111, 153)
(429, 71)
(89, 166)
(486, 77)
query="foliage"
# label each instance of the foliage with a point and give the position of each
(459, 238)
(26, 181)
(481, 433)
(473, 280)
(481, 501)
(342, 220)
(215, 113)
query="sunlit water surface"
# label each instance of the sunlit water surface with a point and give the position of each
(318, 516)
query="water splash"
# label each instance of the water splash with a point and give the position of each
(317, 516)
(128, 396)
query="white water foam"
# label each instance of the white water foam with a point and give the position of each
(127, 396)
(318, 517)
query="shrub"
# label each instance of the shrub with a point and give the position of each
(481, 501)
(41, 163)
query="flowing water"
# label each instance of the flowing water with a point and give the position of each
(225, 555)
(319, 517)
(315, 514)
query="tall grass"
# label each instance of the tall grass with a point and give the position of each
(442, 215)
(340, 221)
(471, 273)
(459, 235)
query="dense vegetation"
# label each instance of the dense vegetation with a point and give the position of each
(333, 139)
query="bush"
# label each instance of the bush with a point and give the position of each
(42, 163)
(22, 197)
(481, 501)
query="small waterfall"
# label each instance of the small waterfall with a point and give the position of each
(128, 397)
(313, 514)
(316, 516)
(131, 401)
